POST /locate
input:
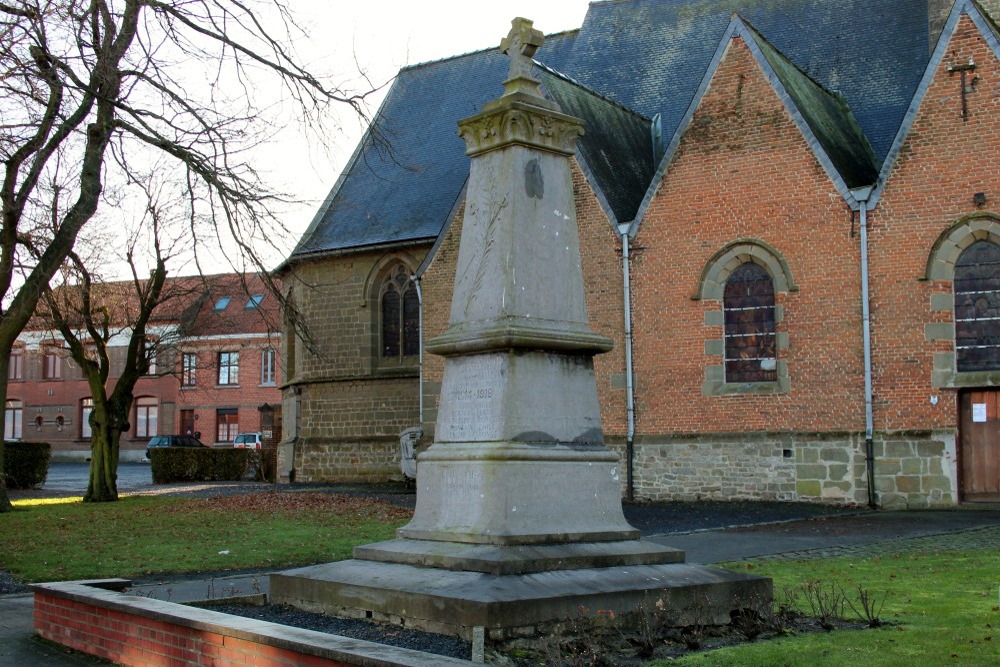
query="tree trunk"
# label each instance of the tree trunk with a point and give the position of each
(5, 505)
(103, 485)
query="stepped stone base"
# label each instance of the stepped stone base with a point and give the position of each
(508, 605)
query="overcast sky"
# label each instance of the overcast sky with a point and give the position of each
(383, 36)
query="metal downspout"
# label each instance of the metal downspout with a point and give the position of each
(420, 344)
(862, 195)
(629, 370)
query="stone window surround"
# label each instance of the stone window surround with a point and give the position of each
(380, 272)
(711, 287)
(948, 247)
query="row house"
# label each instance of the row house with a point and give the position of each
(214, 367)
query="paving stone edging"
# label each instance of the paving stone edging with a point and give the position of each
(987, 537)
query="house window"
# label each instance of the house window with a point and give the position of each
(189, 362)
(228, 424)
(51, 366)
(150, 351)
(12, 415)
(750, 342)
(15, 371)
(221, 303)
(400, 312)
(977, 308)
(254, 301)
(146, 417)
(86, 408)
(229, 367)
(267, 366)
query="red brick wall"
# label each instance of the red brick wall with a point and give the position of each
(943, 162)
(744, 170)
(62, 397)
(136, 640)
(207, 395)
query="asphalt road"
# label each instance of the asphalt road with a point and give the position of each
(72, 478)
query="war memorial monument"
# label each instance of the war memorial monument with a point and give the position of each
(518, 519)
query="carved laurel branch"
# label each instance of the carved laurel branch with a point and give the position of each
(538, 129)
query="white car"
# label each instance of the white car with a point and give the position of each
(247, 440)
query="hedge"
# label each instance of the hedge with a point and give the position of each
(197, 464)
(26, 464)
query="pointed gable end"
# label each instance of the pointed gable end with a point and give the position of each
(823, 118)
(944, 61)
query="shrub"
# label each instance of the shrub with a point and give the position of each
(26, 464)
(197, 464)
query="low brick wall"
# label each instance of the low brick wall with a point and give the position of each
(131, 630)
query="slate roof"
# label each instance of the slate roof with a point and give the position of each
(616, 148)
(651, 57)
(189, 301)
(828, 116)
(406, 192)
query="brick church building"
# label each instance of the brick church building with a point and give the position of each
(789, 220)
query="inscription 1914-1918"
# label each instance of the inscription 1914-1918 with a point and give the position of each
(473, 409)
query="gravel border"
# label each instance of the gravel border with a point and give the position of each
(392, 635)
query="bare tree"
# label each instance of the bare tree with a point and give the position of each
(88, 316)
(93, 91)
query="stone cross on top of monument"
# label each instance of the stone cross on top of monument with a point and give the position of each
(520, 44)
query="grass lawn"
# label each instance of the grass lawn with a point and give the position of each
(944, 607)
(145, 535)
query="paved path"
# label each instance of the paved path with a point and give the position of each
(824, 533)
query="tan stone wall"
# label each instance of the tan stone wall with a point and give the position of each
(912, 470)
(351, 404)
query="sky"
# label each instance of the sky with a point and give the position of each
(380, 37)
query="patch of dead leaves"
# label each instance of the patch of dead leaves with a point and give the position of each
(271, 502)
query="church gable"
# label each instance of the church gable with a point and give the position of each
(750, 91)
(747, 183)
(940, 197)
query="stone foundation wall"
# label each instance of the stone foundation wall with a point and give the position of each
(369, 460)
(912, 469)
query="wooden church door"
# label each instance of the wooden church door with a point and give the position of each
(979, 452)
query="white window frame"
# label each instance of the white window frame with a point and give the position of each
(268, 375)
(147, 416)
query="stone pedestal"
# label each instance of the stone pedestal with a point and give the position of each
(518, 519)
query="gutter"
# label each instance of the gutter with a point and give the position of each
(629, 369)
(420, 343)
(862, 197)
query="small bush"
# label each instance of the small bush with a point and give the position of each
(26, 464)
(197, 464)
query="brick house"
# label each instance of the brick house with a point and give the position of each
(788, 225)
(214, 345)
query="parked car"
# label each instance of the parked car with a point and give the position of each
(173, 441)
(247, 440)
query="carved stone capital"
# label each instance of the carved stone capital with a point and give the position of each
(519, 123)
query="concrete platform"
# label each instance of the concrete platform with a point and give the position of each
(454, 602)
(523, 559)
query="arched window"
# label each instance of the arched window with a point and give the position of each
(12, 414)
(400, 316)
(750, 343)
(977, 308)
